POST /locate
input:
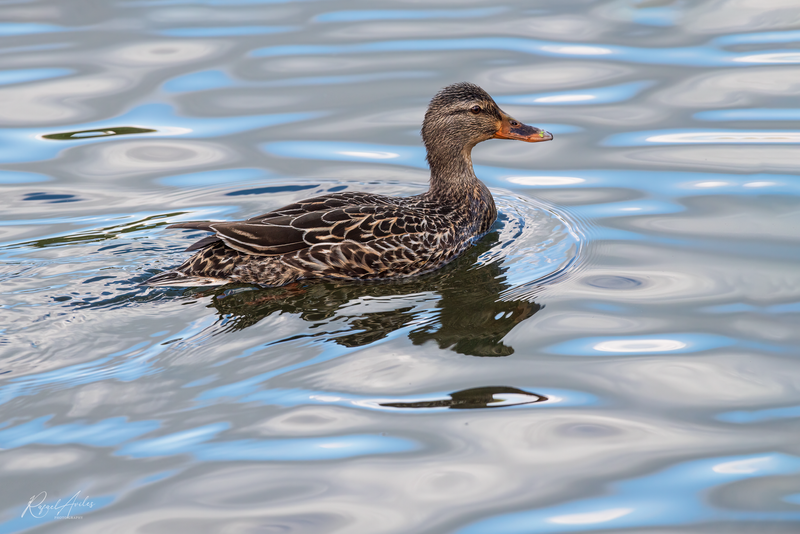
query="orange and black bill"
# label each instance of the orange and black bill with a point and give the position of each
(513, 129)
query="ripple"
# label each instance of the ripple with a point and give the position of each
(468, 399)
(688, 137)
(139, 157)
(53, 100)
(537, 245)
(681, 287)
(641, 344)
(165, 53)
(197, 442)
(687, 55)
(632, 503)
(758, 114)
(333, 151)
(8, 77)
(224, 31)
(552, 75)
(598, 95)
(732, 88)
(613, 282)
(407, 14)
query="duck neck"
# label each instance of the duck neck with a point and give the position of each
(452, 176)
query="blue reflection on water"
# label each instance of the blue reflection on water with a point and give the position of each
(793, 498)
(8, 77)
(673, 496)
(251, 385)
(20, 177)
(197, 442)
(199, 81)
(305, 449)
(754, 114)
(756, 416)
(593, 95)
(758, 38)
(217, 79)
(105, 433)
(405, 14)
(661, 16)
(27, 28)
(632, 207)
(209, 2)
(225, 31)
(346, 79)
(157, 477)
(175, 443)
(741, 307)
(685, 55)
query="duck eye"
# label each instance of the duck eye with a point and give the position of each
(475, 109)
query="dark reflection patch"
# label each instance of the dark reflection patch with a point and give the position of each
(266, 190)
(613, 282)
(469, 399)
(51, 198)
(588, 430)
(103, 132)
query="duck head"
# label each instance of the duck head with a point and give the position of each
(462, 115)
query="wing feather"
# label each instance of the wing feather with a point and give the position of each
(356, 218)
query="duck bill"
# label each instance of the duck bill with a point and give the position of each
(513, 129)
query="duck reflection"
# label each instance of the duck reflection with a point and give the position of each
(469, 317)
(473, 398)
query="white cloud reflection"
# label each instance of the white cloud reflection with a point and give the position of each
(783, 57)
(371, 155)
(640, 345)
(751, 465)
(590, 517)
(545, 180)
(727, 137)
(577, 50)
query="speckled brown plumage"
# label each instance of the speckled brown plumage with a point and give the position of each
(362, 236)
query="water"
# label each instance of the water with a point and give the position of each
(619, 354)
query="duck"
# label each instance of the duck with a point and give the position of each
(361, 236)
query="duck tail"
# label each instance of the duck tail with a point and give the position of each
(179, 279)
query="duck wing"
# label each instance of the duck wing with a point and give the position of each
(354, 218)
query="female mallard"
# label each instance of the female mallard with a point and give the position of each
(361, 236)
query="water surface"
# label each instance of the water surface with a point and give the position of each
(619, 354)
